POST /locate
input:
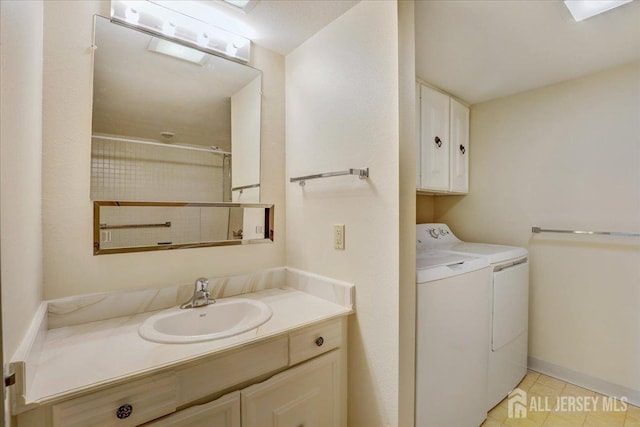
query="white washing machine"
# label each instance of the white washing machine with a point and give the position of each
(452, 339)
(509, 303)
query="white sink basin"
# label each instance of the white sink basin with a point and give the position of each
(224, 318)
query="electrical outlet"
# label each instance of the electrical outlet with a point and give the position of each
(338, 236)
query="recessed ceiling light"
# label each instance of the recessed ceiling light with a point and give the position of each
(241, 5)
(166, 47)
(583, 9)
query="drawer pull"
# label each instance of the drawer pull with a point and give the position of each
(124, 411)
(319, 341)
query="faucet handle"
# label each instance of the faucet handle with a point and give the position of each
(202, 284)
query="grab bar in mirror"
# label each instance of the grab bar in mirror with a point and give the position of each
(360, 173)
(122, 226)
(245, 187)
(605, 233)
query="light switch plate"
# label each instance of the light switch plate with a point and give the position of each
(338, 236)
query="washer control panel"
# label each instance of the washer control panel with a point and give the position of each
(434, 235)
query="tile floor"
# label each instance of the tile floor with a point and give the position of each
(546, 391)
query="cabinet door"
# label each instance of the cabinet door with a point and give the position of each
(459, 147)
(223, 412)
(434, 136)
(307, 396)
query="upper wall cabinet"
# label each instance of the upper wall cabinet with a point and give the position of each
(442, 143)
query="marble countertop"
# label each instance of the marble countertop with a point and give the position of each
(80, 357)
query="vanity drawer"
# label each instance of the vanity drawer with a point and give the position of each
(311, 342)
(143, 400)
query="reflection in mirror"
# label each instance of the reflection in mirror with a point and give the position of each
(171, 123)
(136, 226)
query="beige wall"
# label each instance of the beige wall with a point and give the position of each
(20, 168)
(20, 154)
(69, 266)
(407, 212)
(425, 206)
(342, 112)
(565, 156)
(245, 131)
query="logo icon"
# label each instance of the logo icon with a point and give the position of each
(517, 404)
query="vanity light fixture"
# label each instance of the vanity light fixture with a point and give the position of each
(583, 9)
(154, 18)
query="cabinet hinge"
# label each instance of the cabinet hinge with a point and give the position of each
(10, 379)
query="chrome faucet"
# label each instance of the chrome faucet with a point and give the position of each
(200, 296)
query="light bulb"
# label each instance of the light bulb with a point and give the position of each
(239, 42)
(168, 29)
(231, 49)
(131, 16)
(203, 39)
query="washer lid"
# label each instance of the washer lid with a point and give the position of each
(494, 253)
(434, 265)
(438, 236)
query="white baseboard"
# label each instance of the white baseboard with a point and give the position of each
(584, 380)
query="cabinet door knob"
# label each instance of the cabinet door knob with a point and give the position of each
(438, 141)
(124, 411)
(462, 149)
(319, 341)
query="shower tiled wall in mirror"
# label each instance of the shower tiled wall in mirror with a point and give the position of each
(135, 172)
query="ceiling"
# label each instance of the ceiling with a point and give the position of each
(479, 50)
(476, 50)
(278, 25)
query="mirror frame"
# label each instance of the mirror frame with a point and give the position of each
(268, 226)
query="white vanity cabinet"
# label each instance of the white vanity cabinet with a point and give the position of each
(443, 143)
(296, 378)
(307, 395)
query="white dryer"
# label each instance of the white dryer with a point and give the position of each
(509, 303)
(452, 339)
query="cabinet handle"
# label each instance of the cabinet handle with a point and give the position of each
(124, 411)
(319, 341)
(438, 141)
(462, 149)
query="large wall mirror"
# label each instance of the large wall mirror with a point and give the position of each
(172, 123)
